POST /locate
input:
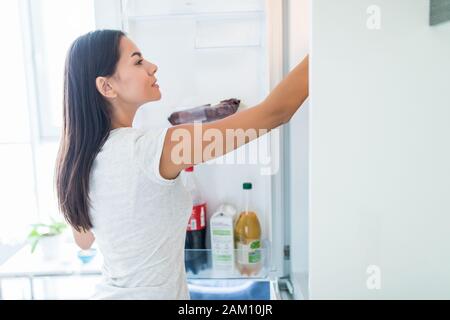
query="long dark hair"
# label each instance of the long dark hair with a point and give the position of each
(86, 121)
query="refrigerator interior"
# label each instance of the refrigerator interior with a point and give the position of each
(207, 51)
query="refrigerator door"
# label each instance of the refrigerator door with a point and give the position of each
(379, 126)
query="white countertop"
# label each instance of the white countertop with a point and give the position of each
(27, 264)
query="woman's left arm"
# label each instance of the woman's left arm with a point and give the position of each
(83, 239)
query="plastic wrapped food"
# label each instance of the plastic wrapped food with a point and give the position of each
(205, 113)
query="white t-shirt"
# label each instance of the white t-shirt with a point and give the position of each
(139, 218)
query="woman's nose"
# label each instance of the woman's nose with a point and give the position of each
(152, 69)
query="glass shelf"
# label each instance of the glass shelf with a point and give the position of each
(211, 264)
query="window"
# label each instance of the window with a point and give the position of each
(38, 35)
(18, 201)
(55, 25)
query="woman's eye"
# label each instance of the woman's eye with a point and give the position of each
(140, 62)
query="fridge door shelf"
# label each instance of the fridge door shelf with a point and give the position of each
(232, 264)
(188, 7)
(194, 15)
(234, 29)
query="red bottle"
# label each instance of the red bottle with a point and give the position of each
(195, 256)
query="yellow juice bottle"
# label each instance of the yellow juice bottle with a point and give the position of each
(247, 237)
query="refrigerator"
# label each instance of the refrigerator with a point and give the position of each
(207, 51)
(352, 194)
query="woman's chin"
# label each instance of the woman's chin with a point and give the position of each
(155, 98)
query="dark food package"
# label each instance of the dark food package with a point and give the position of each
(205, 113)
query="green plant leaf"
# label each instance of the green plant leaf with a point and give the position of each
(33, 233)
(34, 243)
(40, 230)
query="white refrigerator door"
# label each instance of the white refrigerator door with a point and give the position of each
(379, 151)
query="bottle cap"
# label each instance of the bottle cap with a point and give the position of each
(190, 169)
(247, 186)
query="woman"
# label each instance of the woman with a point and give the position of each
(121, 186)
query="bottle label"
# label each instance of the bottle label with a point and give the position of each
(249, 253)
(197, 221)
(202, 218)
(222, 243)
(193, 224)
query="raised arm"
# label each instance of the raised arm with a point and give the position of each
(241, 128)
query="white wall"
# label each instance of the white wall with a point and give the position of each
(379, 163)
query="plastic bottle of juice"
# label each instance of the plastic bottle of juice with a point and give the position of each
(247, 237)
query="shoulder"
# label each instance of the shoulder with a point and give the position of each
(150, 132)
(135, 136)
(149, 145)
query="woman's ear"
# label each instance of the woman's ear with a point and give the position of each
(105, 88)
